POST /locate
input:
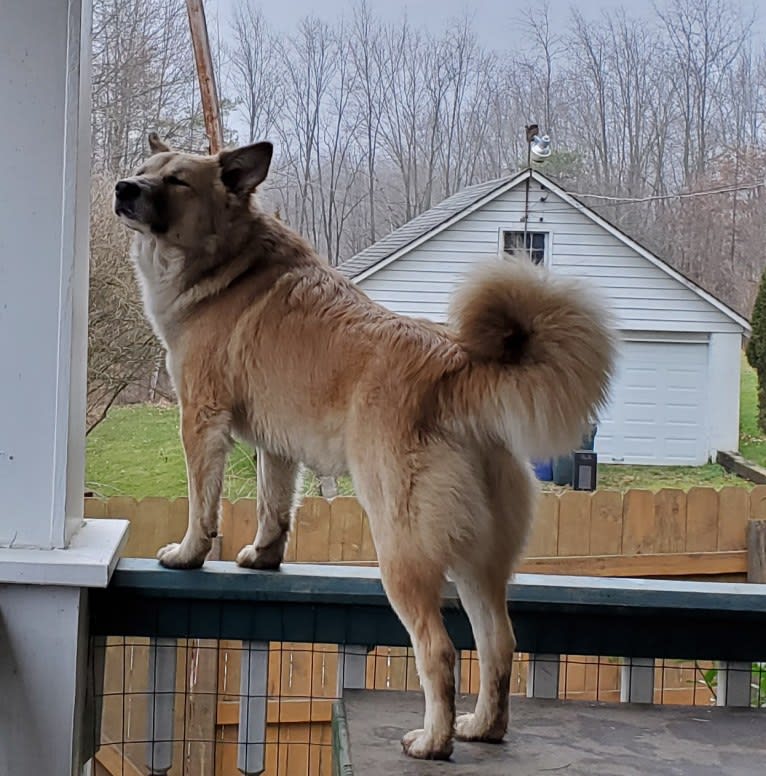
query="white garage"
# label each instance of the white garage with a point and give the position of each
(658, 406)
(675, 399)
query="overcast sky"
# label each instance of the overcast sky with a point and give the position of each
(494, 20)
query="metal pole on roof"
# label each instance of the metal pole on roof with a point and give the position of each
(206, 75)
(532, 130)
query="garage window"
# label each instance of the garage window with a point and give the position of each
(529, 244)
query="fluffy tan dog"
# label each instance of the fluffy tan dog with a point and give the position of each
(435, 424)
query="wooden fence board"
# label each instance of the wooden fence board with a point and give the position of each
(670, 520)
(638, 525)
(313, 530)
(574, 523)
(701, 519)
(681, 564)
(545, 528)
(606, 522)
(758, 503)
(732, 518)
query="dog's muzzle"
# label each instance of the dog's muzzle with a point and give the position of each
(126, 193)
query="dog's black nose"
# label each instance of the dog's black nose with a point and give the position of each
(126, 190)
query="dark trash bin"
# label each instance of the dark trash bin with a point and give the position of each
(563, 465)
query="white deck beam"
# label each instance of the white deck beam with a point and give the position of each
(49, 555)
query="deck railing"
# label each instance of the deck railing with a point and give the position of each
(634, 626)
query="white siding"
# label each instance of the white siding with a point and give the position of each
(725, 363)
(642, 295)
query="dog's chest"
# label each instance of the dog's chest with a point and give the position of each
(159, 279)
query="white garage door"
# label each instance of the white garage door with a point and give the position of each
(657, 413)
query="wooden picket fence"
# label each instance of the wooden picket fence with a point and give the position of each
(699, 534)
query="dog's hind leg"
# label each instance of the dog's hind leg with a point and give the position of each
(207, 441)
(481, 573)
(414, 587)
(484, 600)
(278, 481)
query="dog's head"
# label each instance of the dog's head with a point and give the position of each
(181, 198)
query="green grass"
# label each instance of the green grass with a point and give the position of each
(752, 441)
(137, 452)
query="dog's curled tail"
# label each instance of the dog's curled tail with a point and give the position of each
(542, 352)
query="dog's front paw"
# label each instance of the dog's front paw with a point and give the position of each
(421, 745)
(177, 556)
(269, 559)
(469, 728)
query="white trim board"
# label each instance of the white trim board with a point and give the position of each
(440, 228)
(638, 248)
(89, 560)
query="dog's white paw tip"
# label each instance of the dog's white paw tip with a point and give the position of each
(418, 744)
(467, 728)
(173, 556)
(250, 558)
(246, 556)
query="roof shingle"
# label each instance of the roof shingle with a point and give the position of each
(419, 227)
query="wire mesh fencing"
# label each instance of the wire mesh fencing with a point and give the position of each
(215, 707)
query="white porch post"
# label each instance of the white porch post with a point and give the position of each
(49, 556)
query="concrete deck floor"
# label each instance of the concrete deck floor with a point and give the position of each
(565, 737)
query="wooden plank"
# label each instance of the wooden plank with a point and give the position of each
(574, 523)
(701, 520)
(349, 514)
(732, 518)
(736, 464)
(224, 526)
(367, 550)
(545, 528)
(682, 564)
(94, 507)
(110, 758)
(670, 520)
(200, 727)
(296, 738)
(758, 503)
(756, 551)
(285, 711)
(638, 522)
(239, 523)
(606, 522)
(313, 541)
(337, 532)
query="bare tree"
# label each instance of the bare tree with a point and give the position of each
(122, 350)
(255, 71)
(705, 37)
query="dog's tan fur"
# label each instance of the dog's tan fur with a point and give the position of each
(435, 423)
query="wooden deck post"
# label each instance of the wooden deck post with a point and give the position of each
(543, 676)
(163, 654)
(735, 678)
(733, 688)
(352, 668)
(756, 551)
(637, 680)
(253, 692)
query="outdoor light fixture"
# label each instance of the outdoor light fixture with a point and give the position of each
(540, 148)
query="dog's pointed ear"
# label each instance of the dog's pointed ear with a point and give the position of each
(242, 169)
(156, 144)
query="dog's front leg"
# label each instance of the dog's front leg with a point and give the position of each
(278, 486)
(207, 440)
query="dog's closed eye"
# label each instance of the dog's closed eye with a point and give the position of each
(173, 180)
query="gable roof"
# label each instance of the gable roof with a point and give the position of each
(459, 205)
